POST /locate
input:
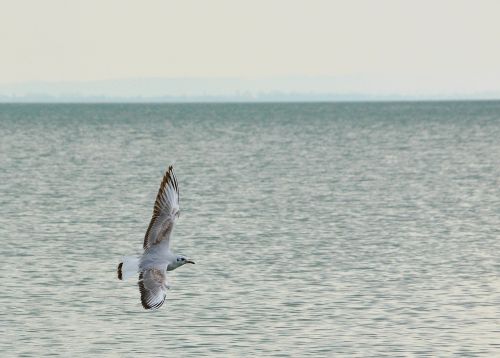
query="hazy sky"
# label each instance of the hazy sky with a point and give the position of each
(409, 45)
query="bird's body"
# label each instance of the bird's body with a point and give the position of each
(157, 257)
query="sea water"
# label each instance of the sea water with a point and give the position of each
(320, 230)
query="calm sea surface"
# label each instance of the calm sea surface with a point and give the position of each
(318, 230)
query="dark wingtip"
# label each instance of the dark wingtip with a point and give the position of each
(142, 289)
(119, 270)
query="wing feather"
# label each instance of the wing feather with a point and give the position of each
(165, 211)
(153, 287)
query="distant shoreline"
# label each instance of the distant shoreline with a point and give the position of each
(239, 101)
(239, 90)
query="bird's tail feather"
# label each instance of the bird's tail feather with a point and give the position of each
(128, 267)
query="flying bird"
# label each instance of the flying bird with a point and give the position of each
(157, 258)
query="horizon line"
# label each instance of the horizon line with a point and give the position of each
(360, 101)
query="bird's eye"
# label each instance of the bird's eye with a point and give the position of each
(183, 259)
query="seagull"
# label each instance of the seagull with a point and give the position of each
(157, 258)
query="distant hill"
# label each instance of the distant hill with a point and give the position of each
(290, 89)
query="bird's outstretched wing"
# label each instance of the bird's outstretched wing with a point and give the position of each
(165, 212)
(153, 287)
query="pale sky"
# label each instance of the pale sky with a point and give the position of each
(403, 45)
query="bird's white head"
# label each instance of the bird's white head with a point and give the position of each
(182, 260)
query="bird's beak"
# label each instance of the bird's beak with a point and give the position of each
(189, 262)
